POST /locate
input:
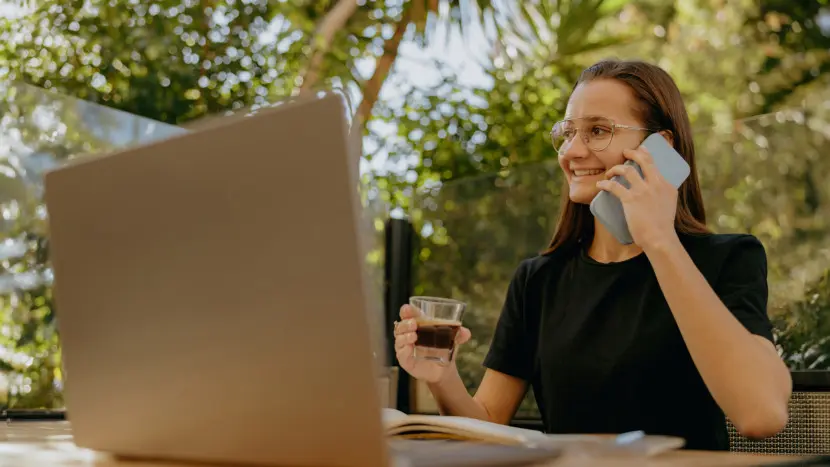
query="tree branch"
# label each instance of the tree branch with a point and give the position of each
(333, 21)
(371, 90)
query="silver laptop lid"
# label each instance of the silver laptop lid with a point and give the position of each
(211, 298)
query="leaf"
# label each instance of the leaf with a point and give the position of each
(527, 11)
(6, 367)
(28, 334)
(611, 7)
(600, 44)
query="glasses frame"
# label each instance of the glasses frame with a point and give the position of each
(614, 126)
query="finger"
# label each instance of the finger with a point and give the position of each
(406, 326)
(409, 311)
(404, 340)
(629, 173)
(463, 336)
(643, 158)
(614, 188)
(405, 355)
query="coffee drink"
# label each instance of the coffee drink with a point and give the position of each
(437, 333)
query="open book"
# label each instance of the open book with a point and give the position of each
(402, 426)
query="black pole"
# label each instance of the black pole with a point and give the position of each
(398, 288)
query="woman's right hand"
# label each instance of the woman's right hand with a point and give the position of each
(405, 337)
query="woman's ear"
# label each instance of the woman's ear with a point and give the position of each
(669, 136)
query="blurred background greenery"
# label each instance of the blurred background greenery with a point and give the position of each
(456, 97)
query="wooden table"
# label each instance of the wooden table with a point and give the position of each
(46, 444)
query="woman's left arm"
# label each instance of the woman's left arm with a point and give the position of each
(742, 370)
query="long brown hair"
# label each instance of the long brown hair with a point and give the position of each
(660, 106)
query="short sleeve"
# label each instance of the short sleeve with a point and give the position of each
(511, 351)
(742, 285)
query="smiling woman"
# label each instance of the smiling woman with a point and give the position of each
(605, 137)
(668, 335)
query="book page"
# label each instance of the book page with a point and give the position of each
(461, 427)
(400, 425)
(392, 417)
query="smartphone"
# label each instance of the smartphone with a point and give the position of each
(608, 209)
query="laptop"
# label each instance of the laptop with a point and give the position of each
(212, 298)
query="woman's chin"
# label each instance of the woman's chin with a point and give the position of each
(583, 196)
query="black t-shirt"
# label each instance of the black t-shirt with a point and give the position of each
(601, 349)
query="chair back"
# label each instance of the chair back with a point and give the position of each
(808, 428)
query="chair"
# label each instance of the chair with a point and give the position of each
(808, 429)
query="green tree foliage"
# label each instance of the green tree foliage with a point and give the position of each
(805, 327)
(172, 60)
(797, 41)
(41, 129)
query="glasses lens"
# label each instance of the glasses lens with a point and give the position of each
(595, 131)
(562, 134)
(599, 132)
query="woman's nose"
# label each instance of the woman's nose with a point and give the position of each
(575, 149)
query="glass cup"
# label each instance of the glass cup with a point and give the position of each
(439, 320)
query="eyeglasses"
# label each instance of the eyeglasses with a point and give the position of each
(597, 132)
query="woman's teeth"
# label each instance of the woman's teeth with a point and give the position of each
(583, 173)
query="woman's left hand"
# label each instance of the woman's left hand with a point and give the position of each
(650, 204)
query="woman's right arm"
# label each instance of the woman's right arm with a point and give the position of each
(511, 351)
(497, 399)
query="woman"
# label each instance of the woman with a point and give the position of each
(668, 335)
